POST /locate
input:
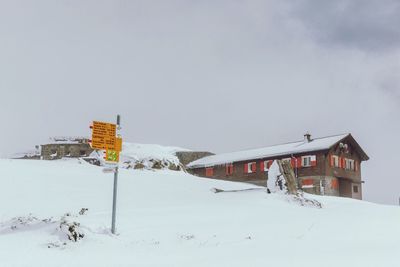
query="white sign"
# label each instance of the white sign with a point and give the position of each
(109, 170)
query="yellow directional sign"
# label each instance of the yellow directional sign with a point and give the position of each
(103, 135)
(112, 155)
(118, 144)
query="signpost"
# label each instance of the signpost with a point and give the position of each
(104, 136)
(114, 207)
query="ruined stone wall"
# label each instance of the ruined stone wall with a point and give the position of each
(58, 151)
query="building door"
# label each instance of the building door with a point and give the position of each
(345, 187)
(356, 190)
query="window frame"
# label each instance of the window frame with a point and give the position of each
(349, 164)
(335, 161)
(266, 168)
(355, 187)
(303, 162)
(249, 167)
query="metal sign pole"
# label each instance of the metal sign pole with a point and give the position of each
(114, 207)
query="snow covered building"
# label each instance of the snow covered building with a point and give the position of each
(326, 166)
(65, 147)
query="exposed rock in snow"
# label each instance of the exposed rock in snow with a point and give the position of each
(69, 228)
(146, 156)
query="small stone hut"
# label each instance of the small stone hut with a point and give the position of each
(66, 147)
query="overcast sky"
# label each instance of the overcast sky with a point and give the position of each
(206, 75)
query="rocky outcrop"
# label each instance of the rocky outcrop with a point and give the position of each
(185, 157)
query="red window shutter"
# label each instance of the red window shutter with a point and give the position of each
(230, 168)
(246, 168)
(335, 184)
(254, 167)
(227, 169)
(308, 181)
(293, 162)
(209, 172)
(314, 162)
(332, 161)
(343, 163)
(299, 162)
(262, 166)
(340, 162)
(356, 165)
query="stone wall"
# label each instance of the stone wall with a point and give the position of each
(58, 151)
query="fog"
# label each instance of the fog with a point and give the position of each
(211, 75)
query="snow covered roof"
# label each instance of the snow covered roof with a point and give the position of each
(316, 144)
(67, 140)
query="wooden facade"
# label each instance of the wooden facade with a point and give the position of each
(335, 170)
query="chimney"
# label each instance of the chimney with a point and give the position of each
(307, 137)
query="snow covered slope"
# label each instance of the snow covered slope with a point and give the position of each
(168, 218)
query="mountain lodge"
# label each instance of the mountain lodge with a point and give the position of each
(325, 166)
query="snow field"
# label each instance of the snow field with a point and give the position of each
(169, 218)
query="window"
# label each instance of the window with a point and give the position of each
(267, 164)
(229, 169)
(250, 167)
(355, 188)
(209, 171)
(335, 161)
(308, 161)
(349, 164)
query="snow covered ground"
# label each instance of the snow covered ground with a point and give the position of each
(170, 218)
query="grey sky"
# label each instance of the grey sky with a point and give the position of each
(206, 75)
(370, 25)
